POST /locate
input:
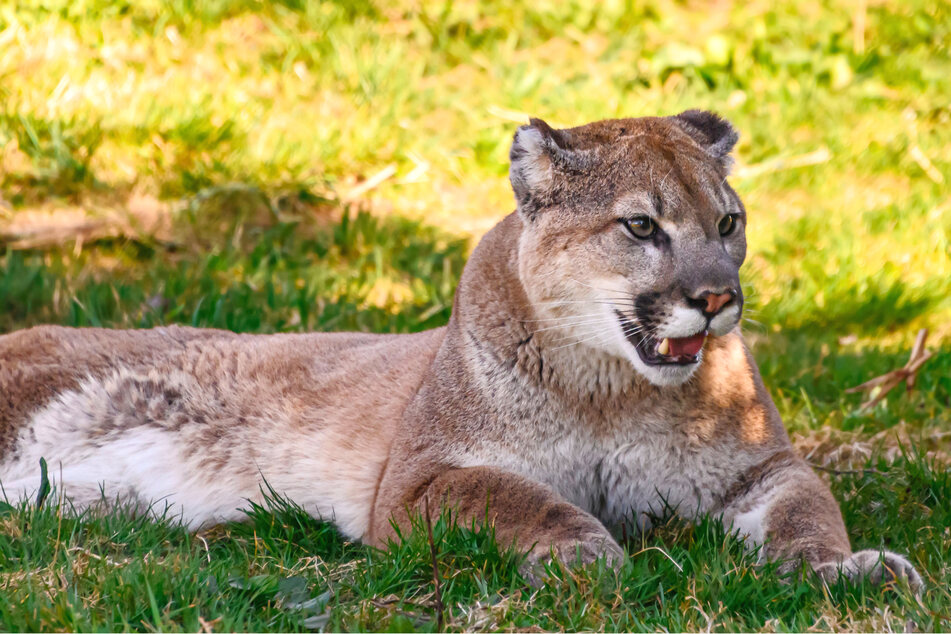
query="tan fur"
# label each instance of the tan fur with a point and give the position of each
(530, 409)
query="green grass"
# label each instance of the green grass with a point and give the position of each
(362, 274)
(282, 570)
(206, 162)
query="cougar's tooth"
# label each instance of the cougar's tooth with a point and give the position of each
(664, 346)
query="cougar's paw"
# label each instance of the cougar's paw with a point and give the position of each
(572, 552)
(879, 567)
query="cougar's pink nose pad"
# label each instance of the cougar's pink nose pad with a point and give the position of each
(716, 302)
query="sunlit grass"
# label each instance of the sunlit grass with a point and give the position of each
(327, 166)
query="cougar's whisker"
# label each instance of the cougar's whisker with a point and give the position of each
(611, 301)
(752, 321)
(611, 291)
(577, 342)
(557, 319)
(600, 335)
(591, 322)
(632, 331)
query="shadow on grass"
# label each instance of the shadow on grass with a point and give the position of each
(820, 336)
(360, 273)
(855, 304)
(808, 373)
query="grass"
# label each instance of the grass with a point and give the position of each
(282, 570)
(326, 166)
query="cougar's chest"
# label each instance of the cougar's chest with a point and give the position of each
(623, 457)
(629, 477)
(648, 474)
(644, 468)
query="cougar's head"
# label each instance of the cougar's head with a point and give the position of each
(632, 239)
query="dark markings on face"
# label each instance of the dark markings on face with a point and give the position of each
(658, 201)
(661, 240)
(644, 310)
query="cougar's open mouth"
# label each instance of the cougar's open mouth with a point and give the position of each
(668, 351)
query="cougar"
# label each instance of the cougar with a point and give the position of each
(591, 376)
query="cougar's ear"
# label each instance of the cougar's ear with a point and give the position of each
(712, 132)
(538, 154)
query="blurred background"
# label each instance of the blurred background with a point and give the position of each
(297, 166)
(329, 165)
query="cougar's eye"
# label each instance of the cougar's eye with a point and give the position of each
(641, 227)
(727, 224)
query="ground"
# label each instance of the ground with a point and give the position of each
(328, 166)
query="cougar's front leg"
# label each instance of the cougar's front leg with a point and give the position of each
(782, 504)
(523, 512)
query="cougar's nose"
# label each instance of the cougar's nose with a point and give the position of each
(711, 302)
